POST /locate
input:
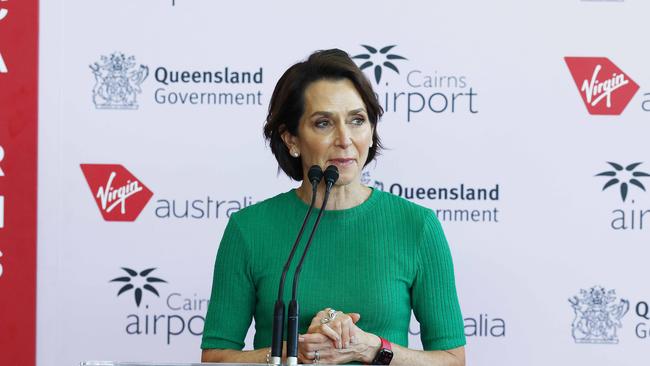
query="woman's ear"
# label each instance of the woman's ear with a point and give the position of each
(291, 142)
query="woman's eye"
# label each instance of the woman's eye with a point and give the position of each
(358, 120)
(322, 123)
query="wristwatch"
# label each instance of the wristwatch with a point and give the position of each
(385, 354)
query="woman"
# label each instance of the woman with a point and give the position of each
(375, 256)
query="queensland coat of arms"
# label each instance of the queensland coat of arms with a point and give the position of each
(597, 315)
(367, 180)
(117, 81)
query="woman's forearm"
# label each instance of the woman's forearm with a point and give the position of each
(407, 356)
(234, 356)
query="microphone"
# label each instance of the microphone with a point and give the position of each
(331, 176)
(315, 175)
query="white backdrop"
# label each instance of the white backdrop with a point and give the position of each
(518, 123)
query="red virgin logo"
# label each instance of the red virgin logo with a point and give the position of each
(119, 195)
(604, 88)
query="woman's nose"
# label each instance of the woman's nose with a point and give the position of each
(343, 136)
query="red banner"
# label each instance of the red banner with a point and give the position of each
(18, 164)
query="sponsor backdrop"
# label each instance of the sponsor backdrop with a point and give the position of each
(523, 125)
(18, 156)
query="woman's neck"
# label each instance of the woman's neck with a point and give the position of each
(341, 197)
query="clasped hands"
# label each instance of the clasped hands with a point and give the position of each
(334, 338)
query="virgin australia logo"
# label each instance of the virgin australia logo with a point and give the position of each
(605, 89)
(132, 282)
(379, 59)
(597, 315)
(117, 81)
(112, 185)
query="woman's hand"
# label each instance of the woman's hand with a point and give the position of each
(321, 345)
(334, 338)
(336, 325)
(319, 348)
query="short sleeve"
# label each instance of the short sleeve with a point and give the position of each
(435, 302)
(232, 302)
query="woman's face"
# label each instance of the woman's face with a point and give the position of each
(334, 129)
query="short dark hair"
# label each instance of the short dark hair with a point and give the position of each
(288, 102)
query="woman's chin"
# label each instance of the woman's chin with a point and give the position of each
(347, 178)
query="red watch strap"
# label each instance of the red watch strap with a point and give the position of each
(385, 344)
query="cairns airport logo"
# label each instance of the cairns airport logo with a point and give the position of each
(472, 203)
(378, 58)
(119, 83)
(604, 88)
(177, 315)
(130, 279)
(415, 92)
(626, 180)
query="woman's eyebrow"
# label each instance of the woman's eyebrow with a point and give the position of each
(322, 113)
(329, 114)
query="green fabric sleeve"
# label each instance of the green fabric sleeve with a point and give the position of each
(232, 302)
(435, 303)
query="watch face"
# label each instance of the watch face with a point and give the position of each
(384, 357)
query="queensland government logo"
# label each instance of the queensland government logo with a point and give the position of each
(627, 180)
(117, 81)
(470, 203)
(598, 314)
(604, 87)
(416, 90)
(119, 195)
(171, 314)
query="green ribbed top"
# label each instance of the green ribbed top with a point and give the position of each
(380, 259)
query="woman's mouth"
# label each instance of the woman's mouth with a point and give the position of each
(342, 162)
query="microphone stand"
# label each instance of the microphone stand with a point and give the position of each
(331, 175)
(315, 175)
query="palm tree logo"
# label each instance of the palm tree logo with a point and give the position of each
(132, 274)
(381, 58)
(617, 179)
